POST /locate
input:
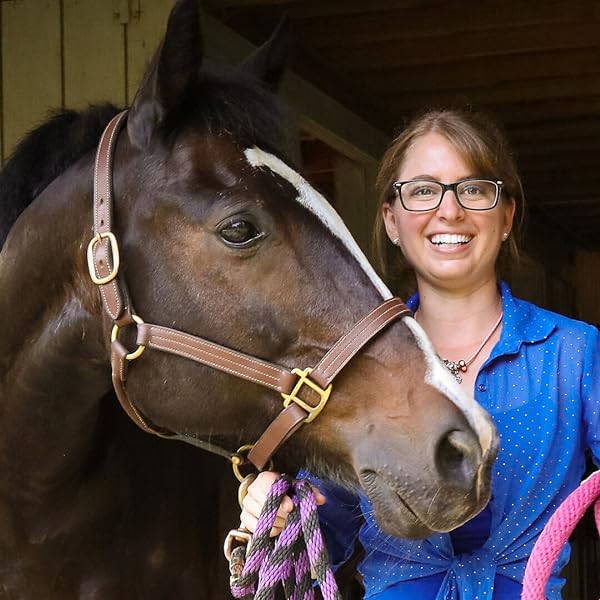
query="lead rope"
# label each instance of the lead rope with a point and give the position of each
(290, 559)
(555, 535)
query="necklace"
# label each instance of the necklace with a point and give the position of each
(456, 367)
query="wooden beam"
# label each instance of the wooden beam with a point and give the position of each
(478, 72)
(227, 4)
(581, 163)
(351, 14)
(546, 109)
(501, 93)
(414, 49)
(551, 147)
(552, 130)
(301, 9)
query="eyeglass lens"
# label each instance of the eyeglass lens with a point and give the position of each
(425, 195)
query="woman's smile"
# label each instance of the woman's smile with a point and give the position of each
(447, 241)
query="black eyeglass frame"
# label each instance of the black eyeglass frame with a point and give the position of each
(397, 185)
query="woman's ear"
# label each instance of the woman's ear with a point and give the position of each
(510, 208)
(389, 221)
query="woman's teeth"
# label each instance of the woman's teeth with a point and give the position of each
(450, 238)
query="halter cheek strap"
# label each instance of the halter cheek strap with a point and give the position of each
(103, 264)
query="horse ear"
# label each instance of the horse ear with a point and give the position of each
(174, 69)
(268, 62)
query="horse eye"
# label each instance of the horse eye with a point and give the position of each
(240, 233)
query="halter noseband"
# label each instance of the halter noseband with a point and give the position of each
(103, 263)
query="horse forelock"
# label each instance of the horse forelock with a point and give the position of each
(231, 102)
(315, 203)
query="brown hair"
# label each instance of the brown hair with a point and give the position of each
(482, 145)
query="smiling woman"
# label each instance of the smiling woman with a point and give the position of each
(451, 204)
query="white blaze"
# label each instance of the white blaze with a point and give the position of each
(436, 374)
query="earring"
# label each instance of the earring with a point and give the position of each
(395, 241)
(504, 236)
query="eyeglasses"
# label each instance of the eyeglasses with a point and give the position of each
(420, 195)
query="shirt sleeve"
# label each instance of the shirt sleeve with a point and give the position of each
(590, 390)
(340, 519)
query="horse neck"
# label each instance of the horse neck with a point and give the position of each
(53, 365)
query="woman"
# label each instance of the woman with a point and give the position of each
(451, 203)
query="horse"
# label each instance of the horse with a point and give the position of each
(218, 236)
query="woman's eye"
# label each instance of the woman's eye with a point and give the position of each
(240, 233)
(472, 190)
(422, 191)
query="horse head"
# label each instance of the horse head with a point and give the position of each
(221, 238)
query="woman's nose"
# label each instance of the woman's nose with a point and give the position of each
(449, 207)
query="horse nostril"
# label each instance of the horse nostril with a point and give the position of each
(458, 457)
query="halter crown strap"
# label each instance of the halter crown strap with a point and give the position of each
(103, 250)
(103, 263)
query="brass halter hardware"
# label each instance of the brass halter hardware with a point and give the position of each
(114, 249)
(313, 411)
(114, 335)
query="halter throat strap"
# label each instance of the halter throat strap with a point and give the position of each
(104, 263)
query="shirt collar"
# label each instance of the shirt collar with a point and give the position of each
(522, 322)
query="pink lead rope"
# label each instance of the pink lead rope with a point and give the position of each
(555, 535)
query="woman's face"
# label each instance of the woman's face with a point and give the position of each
(457, 263)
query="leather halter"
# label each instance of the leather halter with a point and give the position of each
(103, 263)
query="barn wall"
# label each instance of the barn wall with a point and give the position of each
(31, 65)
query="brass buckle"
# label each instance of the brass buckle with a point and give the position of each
(313, 411)
(114, 249)
(114, 334)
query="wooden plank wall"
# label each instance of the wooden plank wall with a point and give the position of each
(31, 65)
(71, 53)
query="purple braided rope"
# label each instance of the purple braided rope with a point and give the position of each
(289, 559)
(317, 553)
(262, 544)
(279, 566)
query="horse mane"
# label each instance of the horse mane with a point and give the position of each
(45, 153)
(227, 101)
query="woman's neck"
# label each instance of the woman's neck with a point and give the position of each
(458, 319)
(463, 327)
